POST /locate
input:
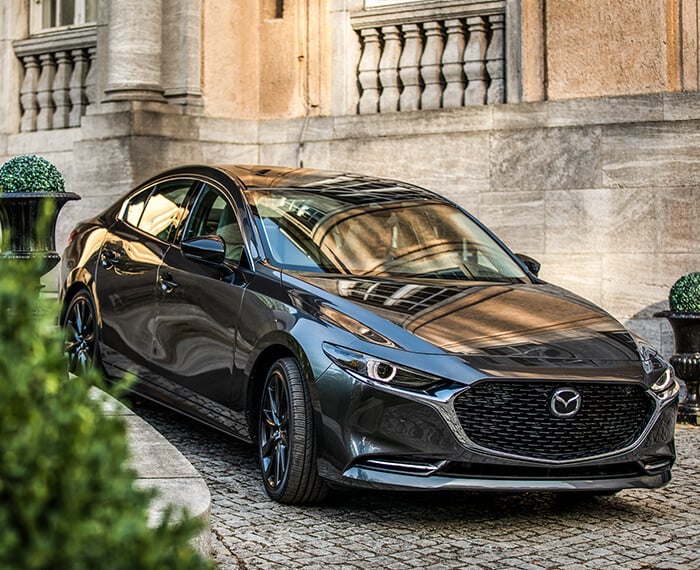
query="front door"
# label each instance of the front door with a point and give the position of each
(199, 303)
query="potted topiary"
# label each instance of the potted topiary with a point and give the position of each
(32, 192)
(684, 316)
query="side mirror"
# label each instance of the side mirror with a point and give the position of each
(208, 249)
(533, 266)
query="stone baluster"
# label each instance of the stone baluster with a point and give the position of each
(368, 71)
(389, 70)
(44, 92)
(430, 66)
(475, 62)
(78, 97)
(91, 77)
(27, 93)
(61, 90)
(409, 67)
(495, 61)
(452, 64)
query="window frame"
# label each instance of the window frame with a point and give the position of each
(149, 192)
(80, 9)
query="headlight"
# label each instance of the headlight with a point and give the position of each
(377, 369)
(666, 386)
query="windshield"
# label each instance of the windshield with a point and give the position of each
(420, 238)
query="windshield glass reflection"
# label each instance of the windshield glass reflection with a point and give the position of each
(308, 231)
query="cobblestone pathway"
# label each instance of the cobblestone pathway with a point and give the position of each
(640, 530)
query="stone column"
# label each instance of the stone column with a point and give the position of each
(134, 50)
(182, 51)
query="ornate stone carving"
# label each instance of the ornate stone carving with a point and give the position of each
(452, 64)
(367, 72)
(495, 60)
(389, 70)
(78, 95)
(431, 55)
(61, 89)
(475, 61)
(44, 92)
(430, 66)
(409, 67)
(27, 93)
(54, 94)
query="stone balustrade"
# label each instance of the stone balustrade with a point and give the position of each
(58, 80)
(432, 55)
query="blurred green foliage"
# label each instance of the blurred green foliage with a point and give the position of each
(67, 496)
(684, 296)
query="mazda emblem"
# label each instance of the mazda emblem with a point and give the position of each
(565, 403)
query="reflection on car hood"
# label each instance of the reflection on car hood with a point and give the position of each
(540, 322)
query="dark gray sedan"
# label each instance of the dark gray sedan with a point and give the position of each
(362, 332)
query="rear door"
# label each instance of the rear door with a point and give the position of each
(127, 273)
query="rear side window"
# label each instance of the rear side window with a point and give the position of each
(134, 208)
(157, 211)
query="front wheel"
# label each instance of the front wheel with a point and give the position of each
(286, 442)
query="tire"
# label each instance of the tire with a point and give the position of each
(286, 439)
(80, 333)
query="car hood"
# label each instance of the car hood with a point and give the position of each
(540, 322)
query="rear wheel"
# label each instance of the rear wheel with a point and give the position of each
(286, 441)
(80, 326)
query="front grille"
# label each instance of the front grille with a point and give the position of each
(514, 418)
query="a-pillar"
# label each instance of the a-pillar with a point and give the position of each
(134, 51)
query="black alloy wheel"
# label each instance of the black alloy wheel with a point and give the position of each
(286, 440)
(80, 326)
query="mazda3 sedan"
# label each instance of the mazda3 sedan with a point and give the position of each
(362, 332)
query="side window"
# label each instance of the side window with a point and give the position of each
(133, 209)
(214, 215)
(161, 213)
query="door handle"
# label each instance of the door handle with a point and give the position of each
(108, 258)
(167, 285)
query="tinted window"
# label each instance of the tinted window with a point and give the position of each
(162, 211)
(214, 215)
(408, 238)
(134, 207)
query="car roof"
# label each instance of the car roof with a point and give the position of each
(325, 181)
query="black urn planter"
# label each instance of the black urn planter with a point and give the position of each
(686, 360)
(20, 216)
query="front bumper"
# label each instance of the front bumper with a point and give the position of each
(385, 440)
(375, 479)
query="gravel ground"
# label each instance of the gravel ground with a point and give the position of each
(640, 529)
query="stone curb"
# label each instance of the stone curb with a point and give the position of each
(161, 466)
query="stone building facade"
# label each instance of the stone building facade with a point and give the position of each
(570, 128)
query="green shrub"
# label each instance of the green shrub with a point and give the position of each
(67, 497)
(684, 296)
(30, 173)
